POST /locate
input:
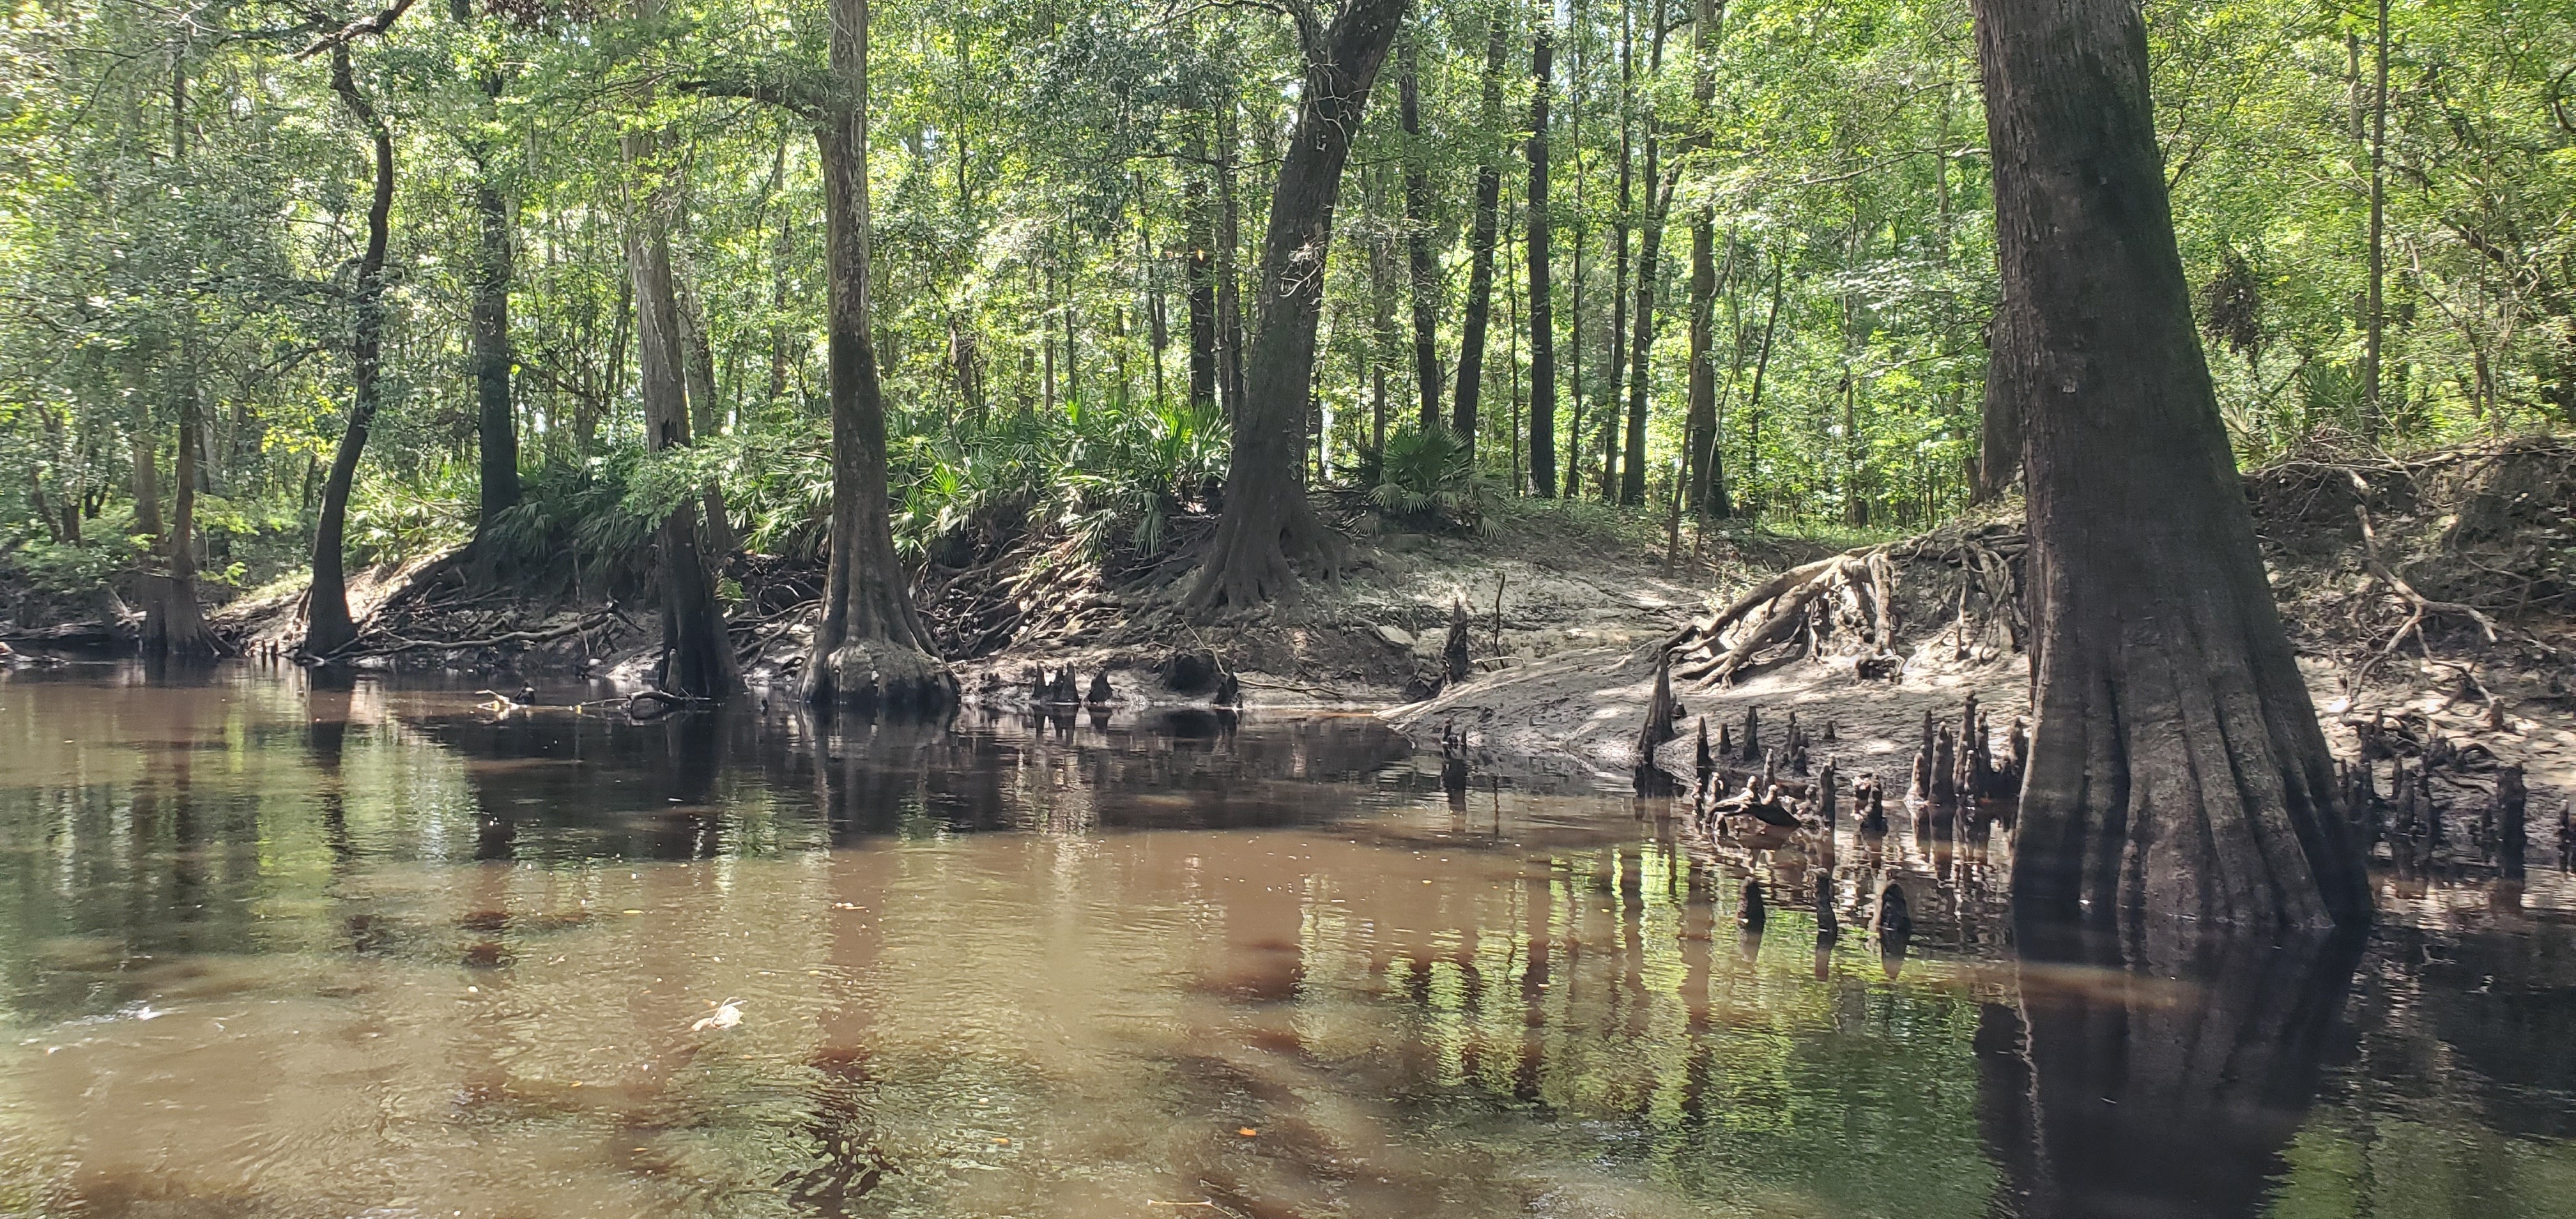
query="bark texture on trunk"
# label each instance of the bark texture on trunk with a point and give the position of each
(328, 627)
(1424, 271)
(1200, 220)
(1542, 311)
(870, 650)
(2177, 769)
(1480, 247)
(489, 317)
(1268, 519)
(698, 659)
(173, 623)
(1641, 344)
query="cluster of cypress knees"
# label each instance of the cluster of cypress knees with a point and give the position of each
(1060, 691)
(1961, 784)
(2422, 830)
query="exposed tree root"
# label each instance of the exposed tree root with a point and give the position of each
(385, 644)
(1852, 604)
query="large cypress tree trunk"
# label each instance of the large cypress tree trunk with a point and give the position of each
(1542, 313)
(1424, 272)
(328, 627)
(870, 650)
(1267, 516)
(2177, 770)
(1480, 247)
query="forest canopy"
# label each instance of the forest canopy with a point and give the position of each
(2376, 208)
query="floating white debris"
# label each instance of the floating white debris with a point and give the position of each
(727, 1015)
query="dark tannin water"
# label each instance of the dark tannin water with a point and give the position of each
(268, 948)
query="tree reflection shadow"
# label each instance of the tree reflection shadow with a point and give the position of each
(2157, 1080)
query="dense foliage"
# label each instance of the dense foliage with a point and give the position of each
(2378, 206)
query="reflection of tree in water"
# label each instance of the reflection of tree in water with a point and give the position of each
(2160, 1080)
(1175, 770)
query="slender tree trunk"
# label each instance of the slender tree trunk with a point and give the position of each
(1753, 397)
(1650, 271)
(489, 317)
(698, 658)
(870, 650)
(1480, 244)
(1267, 516)
(1709, 495)
(1384, 339)
(705, 419)
(1200, 269)
(2177, 771)
(1229, 278)
(1424, 271)
(328, 627)
(1542, 312)
(2375, 414)
(1617, 355)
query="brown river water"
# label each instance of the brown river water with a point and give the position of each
(268, 948)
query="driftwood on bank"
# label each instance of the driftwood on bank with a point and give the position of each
(1849, 604)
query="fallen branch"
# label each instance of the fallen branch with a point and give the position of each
(2418, 605)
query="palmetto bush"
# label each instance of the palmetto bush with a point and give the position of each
(1425, 479)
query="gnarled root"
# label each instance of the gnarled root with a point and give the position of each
(1250, 561)
(1786, 610)
(872, 675)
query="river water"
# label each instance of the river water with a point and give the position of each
(269, 948)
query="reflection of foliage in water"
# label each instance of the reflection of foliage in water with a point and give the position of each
(1338, 965)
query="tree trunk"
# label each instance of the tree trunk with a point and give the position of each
(2375, 312)
(1650, 255)
(1424, 271)
(2177, 770)
(698, 656)
(328, 627)
(173, 623)
(1480, 246)
(1229, 278)
(1201, 269)
(489, 317)
(870, 650)
(1267, 516)
(1617, 356)
(1707, 478)
(699, 356)
(1707, 467)
(1542, 313)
